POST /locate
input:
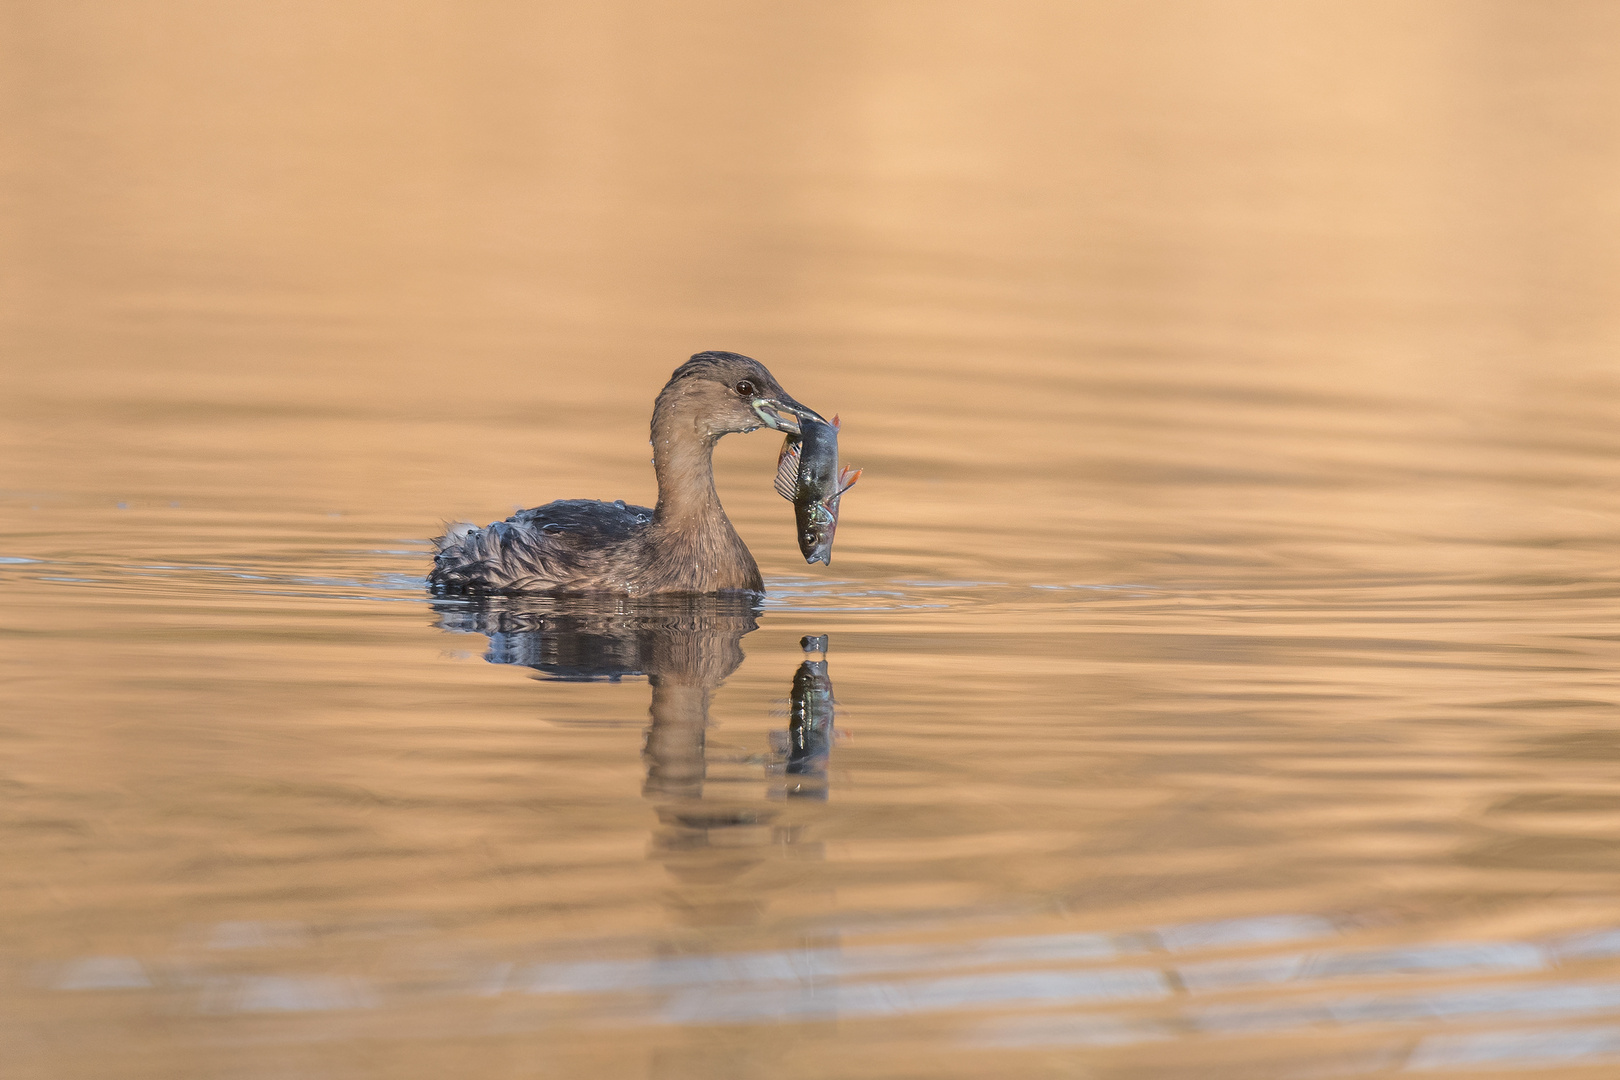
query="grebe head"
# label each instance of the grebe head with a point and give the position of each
(726, 392)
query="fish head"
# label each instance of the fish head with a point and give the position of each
(818, 521)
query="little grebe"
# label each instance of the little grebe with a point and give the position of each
(683, 545)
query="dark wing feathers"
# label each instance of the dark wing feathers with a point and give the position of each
(533, 550)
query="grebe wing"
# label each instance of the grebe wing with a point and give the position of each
(533, 550)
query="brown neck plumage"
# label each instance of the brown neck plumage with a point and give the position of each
(683, 458)
(693, 545)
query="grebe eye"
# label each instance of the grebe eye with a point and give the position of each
(745, 388)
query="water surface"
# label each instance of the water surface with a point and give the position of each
(1224, 634)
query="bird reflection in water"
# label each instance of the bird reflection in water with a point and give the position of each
(708, 834)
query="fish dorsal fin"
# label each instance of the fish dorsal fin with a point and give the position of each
(787, 469)
(835, 423)
(847, 477)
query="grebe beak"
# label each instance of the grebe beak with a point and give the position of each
(781, 414)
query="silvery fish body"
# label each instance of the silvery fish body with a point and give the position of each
(808, 475)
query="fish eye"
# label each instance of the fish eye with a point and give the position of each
(745, 388)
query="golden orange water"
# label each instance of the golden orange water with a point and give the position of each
(1224, 632)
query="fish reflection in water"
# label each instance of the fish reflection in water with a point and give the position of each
(685, 647)
(806, 745)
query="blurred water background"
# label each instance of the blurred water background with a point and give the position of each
(1223, 635)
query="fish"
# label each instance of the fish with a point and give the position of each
(808, 475)
(810, 725)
